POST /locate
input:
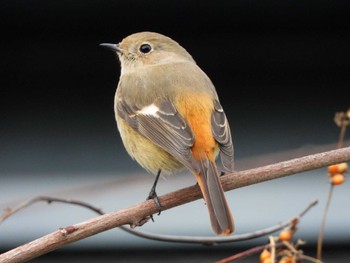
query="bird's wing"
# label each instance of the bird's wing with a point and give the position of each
(222, 134)
(161, 123)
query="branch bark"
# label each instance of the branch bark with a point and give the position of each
(134, 214)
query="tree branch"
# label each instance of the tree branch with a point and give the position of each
(160, 237)
(134, 214)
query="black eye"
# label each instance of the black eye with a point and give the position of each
(145, 48)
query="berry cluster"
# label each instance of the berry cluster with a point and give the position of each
(336, 173)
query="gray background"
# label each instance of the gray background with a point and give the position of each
(281, 72)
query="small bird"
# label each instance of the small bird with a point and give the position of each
(169, 117)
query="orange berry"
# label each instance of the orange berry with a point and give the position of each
(332, 169)
(267, 260)
(343, 167)
(337, 179)
(286, 260)
(265, 254)
(338, 168)
(286, 235)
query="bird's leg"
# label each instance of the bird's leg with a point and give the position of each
(153, 194)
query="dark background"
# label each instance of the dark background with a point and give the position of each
(281, 65)
(281, 69)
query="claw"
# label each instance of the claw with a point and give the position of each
(153, 195)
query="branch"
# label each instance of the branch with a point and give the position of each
(159, 237)
(9, 212)
(282, 169)
(134, 214)
(220, 239)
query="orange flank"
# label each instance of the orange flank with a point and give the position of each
(197, 109)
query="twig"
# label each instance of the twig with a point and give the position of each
(342, 120)
(272, 248)
(10, 211)
(216, 240)
(341, 136)
(311, 259)
(244, 254)
(134, 214)
(323, 223)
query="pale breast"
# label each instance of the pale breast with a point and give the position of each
(146, 153)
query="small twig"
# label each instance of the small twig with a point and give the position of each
(243, 254)
(299, 253)
(311, 259)
(249, 252)
(216, 240)
(10, 211)
(208, 240)
(342, 120)
(272, 248)
(341, 136)
(323, 223)
(312, 204)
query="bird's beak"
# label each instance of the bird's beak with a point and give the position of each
(113, 47)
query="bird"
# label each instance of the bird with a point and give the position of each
(170, 118)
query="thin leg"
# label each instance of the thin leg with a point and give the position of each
(153, 194)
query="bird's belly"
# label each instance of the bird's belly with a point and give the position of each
(149, 155)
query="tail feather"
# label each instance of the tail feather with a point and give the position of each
(213, 193)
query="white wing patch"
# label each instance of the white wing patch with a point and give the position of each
(151, 109)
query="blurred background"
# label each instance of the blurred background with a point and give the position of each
(281, 69)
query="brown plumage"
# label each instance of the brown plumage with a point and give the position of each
(169, 117)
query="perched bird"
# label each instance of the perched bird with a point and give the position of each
(169, 117)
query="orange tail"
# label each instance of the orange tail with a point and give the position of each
(213, 193)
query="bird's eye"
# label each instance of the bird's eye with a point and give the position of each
(145, 48)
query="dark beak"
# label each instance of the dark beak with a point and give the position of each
(113, 47)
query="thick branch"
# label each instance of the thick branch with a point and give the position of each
(281, 169)
(134, 214)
